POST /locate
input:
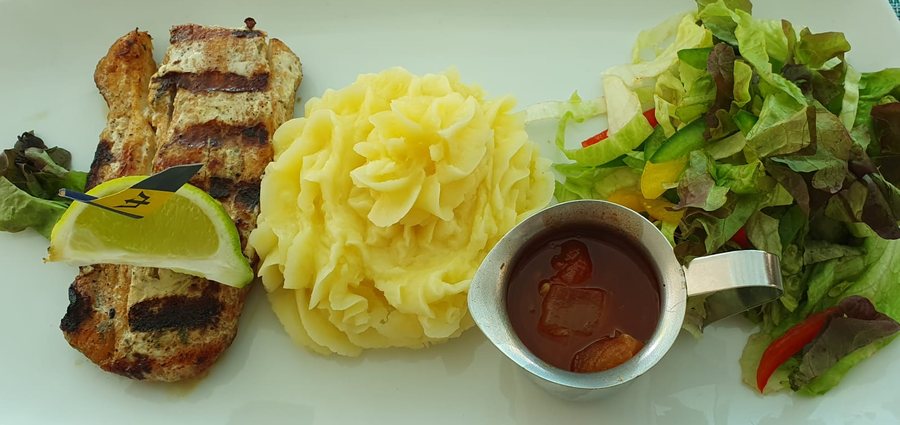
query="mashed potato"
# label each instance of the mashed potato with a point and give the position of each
(381, 204)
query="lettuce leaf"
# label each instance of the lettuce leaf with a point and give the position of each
(743, 76)
(681, 96)
(579, 108)
(718, 17)
(872, 275)
(873, 88)
(627, 138)
(31, 176)
(782, 128)
(859, 326)
(583, 182)
(815, 50)
(850, 102)
(833, 376)
(697, 187)
(688, 35)
(720, 66)
(20, 211)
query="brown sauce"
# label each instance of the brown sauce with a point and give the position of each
(582, 292)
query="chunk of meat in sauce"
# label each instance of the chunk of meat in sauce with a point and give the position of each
(573, 266)
(606, 353)
(566, 310)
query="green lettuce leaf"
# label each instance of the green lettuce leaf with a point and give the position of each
(782, 128)
(743, 75)
(697, 187)
(873, 88)
(20, 211)
(763, 232)
(579, 108)
(744, 178)
(582, 182)
(719, 17)
(682, 95)
(727, 147)
(876, 85)
(719, 226)
(688, 35)
(764, 45)
(829, 160)
(850, 102)
(626, 139)
(872, 275)
(860, 325)
(31, 175)
(833, 376)
(815, 50)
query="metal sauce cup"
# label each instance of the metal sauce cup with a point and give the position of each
(733, 282)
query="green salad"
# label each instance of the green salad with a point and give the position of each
(731, 132)
(31, 175)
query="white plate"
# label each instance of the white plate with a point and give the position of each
(535, 50)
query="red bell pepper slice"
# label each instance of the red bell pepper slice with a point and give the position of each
(603, 135)
(783, 348)
(741, 239)
(650, 115)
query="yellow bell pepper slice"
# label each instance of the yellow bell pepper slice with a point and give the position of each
(657, 178)
(658, 209)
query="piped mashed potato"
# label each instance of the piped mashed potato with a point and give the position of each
(382, 202)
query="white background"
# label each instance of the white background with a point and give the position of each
(534, 50)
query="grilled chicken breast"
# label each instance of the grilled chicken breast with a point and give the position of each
(99, 294)
(216, 99)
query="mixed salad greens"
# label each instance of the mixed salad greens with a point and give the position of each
(31, 174)
(732, 132)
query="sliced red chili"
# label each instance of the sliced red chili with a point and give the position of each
(789, 344)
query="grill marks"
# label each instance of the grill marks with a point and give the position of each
(135, 366)
(210, 81)
(103, 157)
(175, 312)
(247, 195)
(217, 133)
(220, 187)
(193, 32)
(79, 310)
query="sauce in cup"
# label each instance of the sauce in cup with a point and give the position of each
(583, 299)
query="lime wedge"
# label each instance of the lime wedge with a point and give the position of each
(191, 234)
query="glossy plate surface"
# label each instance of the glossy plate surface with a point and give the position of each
(536, 50)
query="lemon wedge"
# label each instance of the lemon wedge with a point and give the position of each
(191, 233)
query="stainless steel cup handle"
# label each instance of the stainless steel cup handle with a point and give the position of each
(734, 282)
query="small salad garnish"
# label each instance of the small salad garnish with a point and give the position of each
(732, 132)
(31, 175)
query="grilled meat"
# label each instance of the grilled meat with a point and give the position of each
(99, 293)
(217, 98)
(128, 143)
